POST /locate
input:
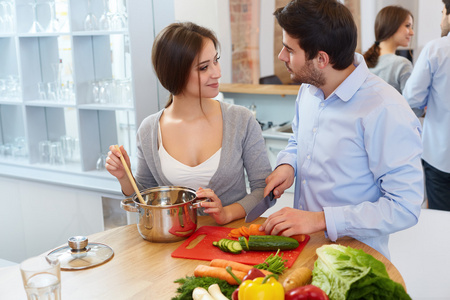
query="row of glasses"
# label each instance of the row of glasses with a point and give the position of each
(54, 25)
(17, 149)
(56, 92)
(115, 19)
(59, 152)
(6, 17)
(10, 88)
(111, 91)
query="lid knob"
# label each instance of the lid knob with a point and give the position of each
(78, 242)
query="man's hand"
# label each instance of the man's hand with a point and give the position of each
(290, 221)
(281, 179)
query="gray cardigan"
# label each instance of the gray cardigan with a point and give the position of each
(243, 147)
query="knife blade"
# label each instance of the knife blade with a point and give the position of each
(261, 207)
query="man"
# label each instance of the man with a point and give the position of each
(429, 85)
(356, 146)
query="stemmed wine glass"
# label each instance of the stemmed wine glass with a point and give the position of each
(35, 26)
(90, 23)
(54, 25)
(104, 19)
(118, 21)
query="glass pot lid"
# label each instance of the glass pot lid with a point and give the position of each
(79, 254)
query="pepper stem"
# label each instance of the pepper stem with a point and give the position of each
(268, 276)
(229, 270)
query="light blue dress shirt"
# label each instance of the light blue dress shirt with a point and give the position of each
(356, 156)
(429, 85)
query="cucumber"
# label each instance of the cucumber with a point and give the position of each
(227, 245)
(244, 243)
(269, 243)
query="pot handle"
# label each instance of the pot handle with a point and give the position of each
(196, 202)
(128, 205)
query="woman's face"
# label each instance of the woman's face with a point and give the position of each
(205, 73)
(404, 33)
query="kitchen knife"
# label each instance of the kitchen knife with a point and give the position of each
(261, 207)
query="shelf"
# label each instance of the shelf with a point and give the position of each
(99, 32)
(264, 89)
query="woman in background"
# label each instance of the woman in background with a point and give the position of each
(393, 28)
(196, 141)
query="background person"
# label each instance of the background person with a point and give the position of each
(393, 28)
(196, 141)
(349, 179)
(429, 85)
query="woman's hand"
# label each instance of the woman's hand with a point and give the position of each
(113, 163)
(214, 208)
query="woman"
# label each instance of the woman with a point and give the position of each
(393, 28)
(196, 141)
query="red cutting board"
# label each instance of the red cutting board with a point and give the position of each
(205, 250)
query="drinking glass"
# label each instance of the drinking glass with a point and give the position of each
(52, 91)
(94, 92)
(35, 26)
(56, 154)
(101, 161)
(42, 90)
(90, 22)
(54, 25)
(104, 19)
(41, 277)
(2, 88)
(67, 147)
(3, 28)
(44, 152)
(104, 93)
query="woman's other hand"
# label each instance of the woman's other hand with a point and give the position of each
(114, 164)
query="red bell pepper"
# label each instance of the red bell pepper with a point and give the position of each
(307, 292)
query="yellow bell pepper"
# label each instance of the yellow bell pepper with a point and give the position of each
(267, 288)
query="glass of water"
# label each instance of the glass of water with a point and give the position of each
(41, 277)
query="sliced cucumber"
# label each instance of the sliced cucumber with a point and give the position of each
(227, 245)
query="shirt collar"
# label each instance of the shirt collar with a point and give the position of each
(347, 89)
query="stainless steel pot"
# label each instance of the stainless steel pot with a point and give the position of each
(169, 215)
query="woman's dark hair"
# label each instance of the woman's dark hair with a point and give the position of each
(321, 25)
(447, 6)
(387, 22)
(174, 51)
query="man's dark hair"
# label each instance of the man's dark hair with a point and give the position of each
(447, 5)
(321, 25)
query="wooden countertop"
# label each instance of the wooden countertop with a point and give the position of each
(264, 89)
(144, 270)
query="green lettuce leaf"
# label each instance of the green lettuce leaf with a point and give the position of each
(347, 273)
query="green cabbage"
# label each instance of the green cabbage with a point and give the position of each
(347, 273)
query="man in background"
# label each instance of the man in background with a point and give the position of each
(429, 86)
(356, 147)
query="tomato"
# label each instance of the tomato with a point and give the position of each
(307, 292)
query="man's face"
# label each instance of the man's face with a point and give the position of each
(445, 23)
(301, 69)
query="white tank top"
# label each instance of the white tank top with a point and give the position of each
(180, 174)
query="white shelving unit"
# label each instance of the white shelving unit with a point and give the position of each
(48, 80)
(48, 203)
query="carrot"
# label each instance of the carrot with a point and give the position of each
(216, 272)
(299, 237)
(235, 266)
(254, 230)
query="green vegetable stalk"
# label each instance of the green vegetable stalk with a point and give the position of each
(347, 273)
(274, 263)
(189, 283)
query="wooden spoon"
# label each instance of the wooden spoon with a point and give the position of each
(127, 170)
